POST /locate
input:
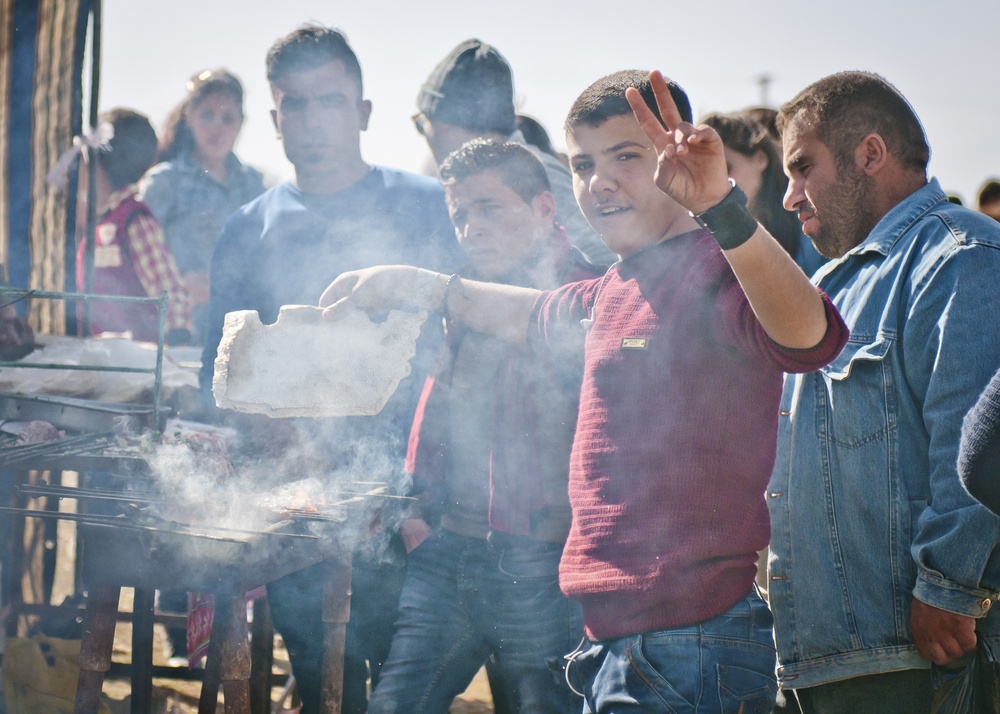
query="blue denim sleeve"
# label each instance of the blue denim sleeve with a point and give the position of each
(951, 348)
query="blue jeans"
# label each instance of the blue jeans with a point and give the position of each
(725, 664)
(465, 598)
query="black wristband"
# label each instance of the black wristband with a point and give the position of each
(729, 221)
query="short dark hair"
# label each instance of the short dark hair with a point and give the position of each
(605, 99)
(130, 151)
(517, 167)
(989, 193)
(845, 107)
(308, 47)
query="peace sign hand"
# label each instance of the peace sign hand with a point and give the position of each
(691, 165)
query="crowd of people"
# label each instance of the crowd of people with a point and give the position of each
(656, 361)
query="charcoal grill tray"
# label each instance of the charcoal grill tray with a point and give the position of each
(76, 414)
(188, 561)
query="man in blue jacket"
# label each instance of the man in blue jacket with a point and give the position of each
(881, 563)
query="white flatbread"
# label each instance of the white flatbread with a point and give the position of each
(303, 366)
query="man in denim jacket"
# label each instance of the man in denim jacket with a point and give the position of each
(881, 563)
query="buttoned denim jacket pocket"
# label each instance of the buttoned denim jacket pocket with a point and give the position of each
(870, 516)
(857, 424)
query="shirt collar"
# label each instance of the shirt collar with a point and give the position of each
(116, 197)
(892, 225)
(234, 166)
(901, 218)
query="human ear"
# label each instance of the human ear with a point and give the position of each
(871, 154)
(759, 160)
(365, 113)
(544, 205)
(274, 121)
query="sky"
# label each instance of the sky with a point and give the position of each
(942, 56)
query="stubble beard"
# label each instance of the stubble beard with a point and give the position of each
(848, 214)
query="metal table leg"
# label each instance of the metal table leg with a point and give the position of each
(142, 651)
(261, 657)
(234, 651)
(95, 647)
(336, 614)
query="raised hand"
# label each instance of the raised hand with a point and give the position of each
(691, 160)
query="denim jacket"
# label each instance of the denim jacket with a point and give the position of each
(867, 509)
(192, 205)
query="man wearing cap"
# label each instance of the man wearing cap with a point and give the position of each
(470, 95)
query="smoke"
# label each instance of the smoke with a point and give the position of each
(308, 477)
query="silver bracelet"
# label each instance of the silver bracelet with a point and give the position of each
(444, 295)
(423, 287)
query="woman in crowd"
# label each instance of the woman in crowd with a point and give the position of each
(198, 181)
(754, 162)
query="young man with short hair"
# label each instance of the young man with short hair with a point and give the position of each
(686, 340)
(489, 452)
(338, 213)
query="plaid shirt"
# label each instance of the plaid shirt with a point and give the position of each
(153, 263)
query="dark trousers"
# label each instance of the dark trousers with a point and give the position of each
(906, 692)
(296, 607)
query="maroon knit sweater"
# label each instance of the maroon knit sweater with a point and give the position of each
(675, 437)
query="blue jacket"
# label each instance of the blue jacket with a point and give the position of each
(867, 509)
(192, 205)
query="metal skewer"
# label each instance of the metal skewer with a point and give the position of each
(98, 520)
(124, 521)
(93, 493)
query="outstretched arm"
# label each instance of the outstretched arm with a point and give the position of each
(498, 310)
(692, 171)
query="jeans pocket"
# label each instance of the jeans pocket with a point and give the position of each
(530, 560)
(744, 691)
(665, 671)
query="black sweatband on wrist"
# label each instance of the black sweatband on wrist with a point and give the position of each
(729, 221)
